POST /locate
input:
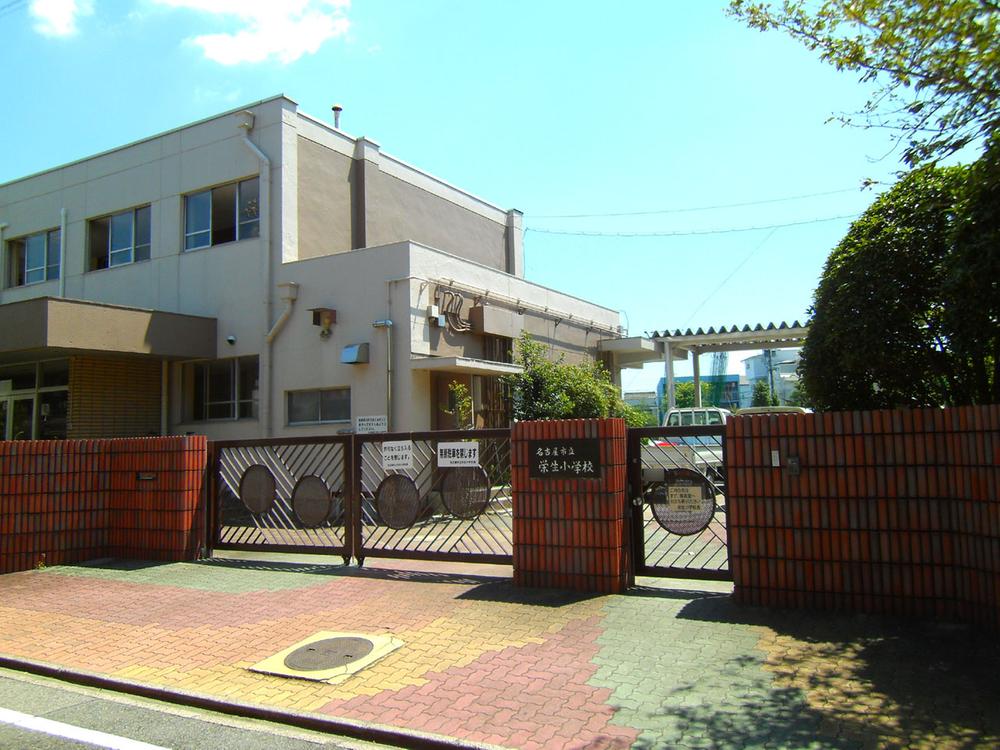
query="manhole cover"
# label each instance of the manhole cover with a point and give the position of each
(329, 653)
(311, 502)
(257, 489)
(465, 491)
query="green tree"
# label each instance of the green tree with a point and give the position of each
(460, 401)
(907, 311)
(762, 395)
(933, 63)
(971, 287)
(798, 396)
(684, 394)
(549, 389)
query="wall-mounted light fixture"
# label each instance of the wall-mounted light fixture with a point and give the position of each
(324, 317)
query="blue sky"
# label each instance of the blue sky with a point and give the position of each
(633, 118)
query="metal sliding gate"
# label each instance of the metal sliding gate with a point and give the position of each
(334, 496)
(283, 495)
(677, 486)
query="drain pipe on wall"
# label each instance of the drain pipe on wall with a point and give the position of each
(290, 293)
(387, 325)
(62, 252)
(246, 124)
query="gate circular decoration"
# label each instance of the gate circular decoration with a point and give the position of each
(257, 489)
(311, 502)
(465, 491)
(397, 501)
(684, 503)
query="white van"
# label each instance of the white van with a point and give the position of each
(696, 416)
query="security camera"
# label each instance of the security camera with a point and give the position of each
(231, 340)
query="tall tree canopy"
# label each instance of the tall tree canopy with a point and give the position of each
(907, 312)
(934, 63)
(549, 389)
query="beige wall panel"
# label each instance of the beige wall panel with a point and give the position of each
(324, 204)
(125, 159)
(399, 211)
(113, 397)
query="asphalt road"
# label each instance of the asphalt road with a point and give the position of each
(136, 721)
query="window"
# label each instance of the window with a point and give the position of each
(223, 214)
(119, 238)
(34, 400)
(328, 405)
(224, 389)
(34, 258)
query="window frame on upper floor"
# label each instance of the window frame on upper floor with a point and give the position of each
(124, 243)
(222, 214)
(18, 273)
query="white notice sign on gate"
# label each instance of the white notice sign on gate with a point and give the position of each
(397, 455)
(464, 453)
(368, 424)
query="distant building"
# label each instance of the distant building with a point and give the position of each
(779, 367)
(645, 401)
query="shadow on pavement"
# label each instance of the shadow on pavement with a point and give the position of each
(278, 566)
(862, 679)
(504, 591)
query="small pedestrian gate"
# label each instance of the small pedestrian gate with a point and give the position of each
(403, 495)
(379, 495)
(677, 489)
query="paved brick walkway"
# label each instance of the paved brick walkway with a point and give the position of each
(483, 661)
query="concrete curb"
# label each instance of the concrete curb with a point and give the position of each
(359, 730)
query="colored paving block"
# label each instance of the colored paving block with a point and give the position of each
(486, 662)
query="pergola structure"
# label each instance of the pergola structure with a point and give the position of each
(679, 345)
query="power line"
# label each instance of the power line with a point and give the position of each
(11, 6)
(689, 233)
(699, 208)
(731, 274)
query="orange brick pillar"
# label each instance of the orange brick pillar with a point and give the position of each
(568, 482)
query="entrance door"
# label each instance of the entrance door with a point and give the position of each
(17, 418)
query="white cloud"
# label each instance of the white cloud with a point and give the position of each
(266, 29)
(58, 17)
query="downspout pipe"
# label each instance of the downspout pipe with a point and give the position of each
(62, 252)
(288, 296)
(387, 325)
(265, 237)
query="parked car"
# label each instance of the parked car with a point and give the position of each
(696, 416)
(702, 453)
(750, 410)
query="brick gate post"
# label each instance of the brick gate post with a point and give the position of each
(569, 496)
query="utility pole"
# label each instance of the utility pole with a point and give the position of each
(770, 372)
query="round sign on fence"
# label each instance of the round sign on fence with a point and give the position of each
(684, 503)
(465, 491)
(397, 501)
(258, 489)
(311, 502)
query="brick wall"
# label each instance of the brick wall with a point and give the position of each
(571, 533)
(893, 512)
(64, 501)
(118, 397)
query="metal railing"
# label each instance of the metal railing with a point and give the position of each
(283, 495)
(677, 485)
(332, 495)
(428, 511)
